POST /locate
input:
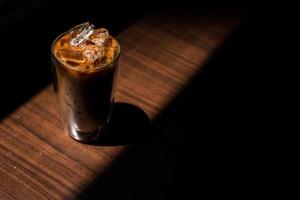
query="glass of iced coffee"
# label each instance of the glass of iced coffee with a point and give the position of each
(85, 62)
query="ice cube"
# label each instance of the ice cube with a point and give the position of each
(100, 33)
(81, 33)
(71, 55)
(98, 41)
(99, 36)
(90, 51)
(108, 42)
(90, 55)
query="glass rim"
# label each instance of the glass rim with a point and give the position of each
(98, 68)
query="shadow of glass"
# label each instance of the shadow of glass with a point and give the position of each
(128, 125)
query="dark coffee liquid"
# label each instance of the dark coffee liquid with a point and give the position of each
(85, 97)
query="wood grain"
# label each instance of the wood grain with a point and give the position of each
(160, 53)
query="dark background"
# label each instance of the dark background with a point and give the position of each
(27, 29)
(224, 155)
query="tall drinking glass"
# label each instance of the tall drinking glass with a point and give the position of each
(84, 80)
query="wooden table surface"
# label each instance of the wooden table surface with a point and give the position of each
(160, 54)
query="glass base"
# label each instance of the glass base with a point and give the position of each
(81, 136)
